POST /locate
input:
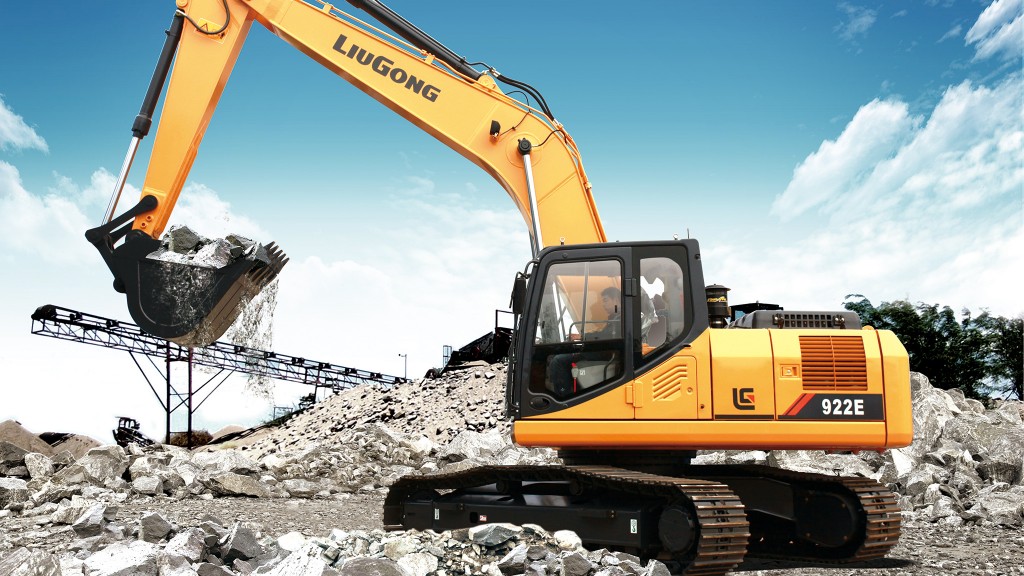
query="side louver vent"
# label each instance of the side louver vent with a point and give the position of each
(834, 363)
(669, 386)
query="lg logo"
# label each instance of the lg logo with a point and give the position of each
(743, 398)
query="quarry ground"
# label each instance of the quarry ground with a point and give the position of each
(924, 548)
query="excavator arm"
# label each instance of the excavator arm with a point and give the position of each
(470, 115)
(523, 148)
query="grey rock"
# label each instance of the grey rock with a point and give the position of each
(174, 565)
(656, 568)
(1005, 472)
(51, 492)
(291, 542)
(214, 254)
(68, 512)
(230, 484)
(303, 562)
(492, 535)
(13, 491)
(90, 523)
(11, 455)
(567, 540)
(240, 543)
(472, 445)
(189, 544)
(120, 559)
(419, 563)
(153, 527)
(365, 566)
(1001, 504)
(226, 461)
(181, 239)
(25, 562)
(101, 466)
(515, 561)
(575, 564)
(39, 465)
(300, 488)
(150, 485)
(396, 548)
(208, 569)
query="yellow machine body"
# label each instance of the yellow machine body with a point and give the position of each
(749, 390)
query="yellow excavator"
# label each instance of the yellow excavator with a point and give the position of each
(623, 359)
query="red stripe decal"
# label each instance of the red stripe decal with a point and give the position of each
(799, 404)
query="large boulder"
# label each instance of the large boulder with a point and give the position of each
(25, 562)
(226, 461)
(39, 465)
(1000, 504)
(136, 558)
(230, 484)
(13, 491)
(990, 440)
(103, 466)
(12, 457)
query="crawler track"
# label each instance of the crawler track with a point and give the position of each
(783, 514)
(607, 506)
(875, 531)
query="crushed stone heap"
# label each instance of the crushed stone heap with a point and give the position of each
(962, 477)
(439, 409)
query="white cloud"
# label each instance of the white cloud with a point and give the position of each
(14, 133)
(953, 32)
(95, 195)
(51, 227)
(999, 30)
(873, 135)
(201, 209)
(443, 270)
(858, 20)
(927, 209)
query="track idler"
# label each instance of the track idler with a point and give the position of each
(187, 304)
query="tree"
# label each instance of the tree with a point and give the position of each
(1005, 338)
(966, 353)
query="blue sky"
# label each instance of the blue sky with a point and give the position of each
(814, 148)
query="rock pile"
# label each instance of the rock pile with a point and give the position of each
(965, 465)
(155, 546)
(16, 442)
(964, 469)
(439, 409)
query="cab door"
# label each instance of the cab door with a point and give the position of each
(573, 350)
(670, 351)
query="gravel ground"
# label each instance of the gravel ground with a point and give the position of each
(924, 548)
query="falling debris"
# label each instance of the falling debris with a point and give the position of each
(254, 330)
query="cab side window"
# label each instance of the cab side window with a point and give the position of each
(662, 302)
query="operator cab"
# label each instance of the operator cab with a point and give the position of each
(597, 316)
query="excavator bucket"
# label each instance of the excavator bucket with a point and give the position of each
(194, 305)
(186, 303)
